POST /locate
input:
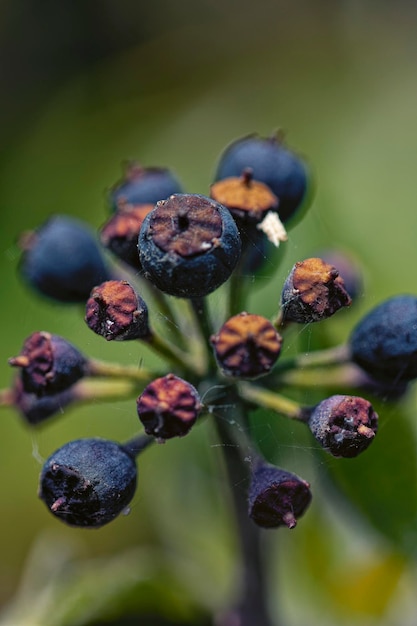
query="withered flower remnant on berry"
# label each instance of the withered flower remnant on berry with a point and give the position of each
(313, 291)
(116, 312)
(246, 346)
(168, 407)
(121, 231)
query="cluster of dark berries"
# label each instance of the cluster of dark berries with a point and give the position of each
(166, 244)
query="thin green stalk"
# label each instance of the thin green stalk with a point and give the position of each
(201, 313)
(271, 400)
(329, 356)
(171, 353)
(100, 368)
(104, 390)
(137, 444)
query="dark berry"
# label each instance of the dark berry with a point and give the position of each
(168, 407)
(88, 482)
(384, 342)
(116, 312)
(120, 233)
(276, 497)
(49, 364)
(246, 346)
(189, 245)
(143, 185)
(348, 268)
(344, 425)
(36, 409)
(313, 292)
(272, 163)
(62, 260)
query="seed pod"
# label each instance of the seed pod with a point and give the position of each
(116, 312)
(120, 233)
(384, 342)
(188, 245)
(344, 425)
(273, 164)
(246, 346)
(168, 407)
(62, 260)
(88, 482)
(277, 497)
(143, 185)
(313, 292)
(49, 364)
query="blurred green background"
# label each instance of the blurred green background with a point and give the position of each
(87, 85)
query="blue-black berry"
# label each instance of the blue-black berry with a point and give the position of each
(62, 260)
(88, 482)
(344, 425)
(143, 185)
(272, 163)
(384, 342)
(276, 497)
(189, 245)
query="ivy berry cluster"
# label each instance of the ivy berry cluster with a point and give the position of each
(164, 248)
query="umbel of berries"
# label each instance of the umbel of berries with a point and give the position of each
(273, 164)
(276, 497)
(188, 245)
(88, 482)
(49, 364)
(344, 425)
(62, 260)
(384, 342)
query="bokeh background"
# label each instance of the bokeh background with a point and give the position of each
(87, 85)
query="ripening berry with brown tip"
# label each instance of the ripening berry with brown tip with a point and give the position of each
(168, 407)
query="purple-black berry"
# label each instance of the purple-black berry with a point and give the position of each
(277, 497)
(88, 482)
(143, 185)
(344, 425)
(272, 163)
(168, 407)
(62, 260)
(49, 364)
(121, 231)
(189, 245)
(384, 342)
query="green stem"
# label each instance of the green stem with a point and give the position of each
(238, 283)
(271, 400)
(171, 353)
(344, 375)
(7, 397)
(137, 444)
(116, 370)
(202, 318)
(104, 390)
(330, 356)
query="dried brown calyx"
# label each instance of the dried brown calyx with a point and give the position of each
(120, 233)
(116, 312)
(246, 346)
(313, 291)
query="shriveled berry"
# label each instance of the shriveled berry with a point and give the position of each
(189, 245)
(143, 185)
(88, 482)
(313, 291)
(272, 163)
(384, 342)
(348, 268)
(168, 407)
(246, 346)
(344, 425)
(277, 497)
(49, 363)
(62, 260)
(120, 233)
(116, 312)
